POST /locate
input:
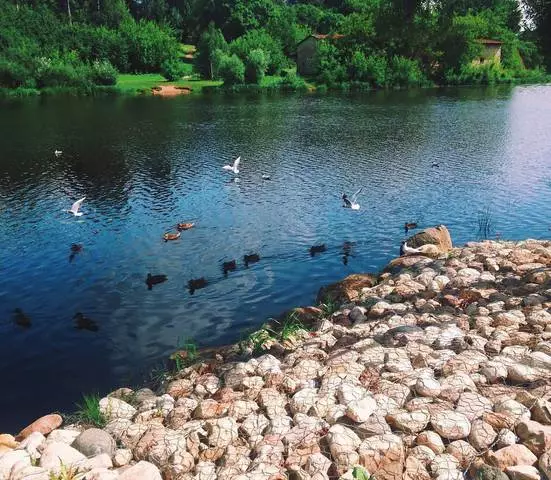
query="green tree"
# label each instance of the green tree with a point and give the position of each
(255, 66)
(231, 70)
(211, 40)
(260, 39)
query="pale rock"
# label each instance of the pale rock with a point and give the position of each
(113, 408)
(505, 437)
(443, 463)
(126, 432)
(428, 387)
(254, 424)
(515, 410)
(385, 404)
(165, 403)
(179, 388)
(210, 408)
(221, 431)
(463, 452)
(57, 453)
(538, 317)
(541, 411)
(450, 475)
(398, 393)
(523, 472)
(317, 463)
(348, 392)
(342, 440)
(101, 474)
(280, 425)
(334, 413)
(422, 453)
(360, 410)
(482, 435)
(30, 473)
(473, 405)
(519, 373)
(122, 457)
(142, 470)
(375, 425)
(101, 461)
(410, 422)
(32, 444)
(510, 456)
(63, 435)
(431, 440)
(11, 458)
(451, 425)
(494, 371)
(303, 400)
(242, 408)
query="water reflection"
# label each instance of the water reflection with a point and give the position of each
(147, 164)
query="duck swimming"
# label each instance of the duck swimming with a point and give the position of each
(184, 226)
(196, 284)
(317, 249)
(85, 323)
(252, 258)
(229, 266)
(171, 236)
(154, 280)
(21, 319)
(75, 249)
(410, 226)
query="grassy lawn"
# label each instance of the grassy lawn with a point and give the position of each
(129, 82)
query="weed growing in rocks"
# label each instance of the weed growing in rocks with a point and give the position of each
(185, 355)
(329, 307)
(66, 472)
(89, 412)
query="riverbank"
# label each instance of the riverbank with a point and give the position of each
(439, 367)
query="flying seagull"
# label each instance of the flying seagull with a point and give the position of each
(57, 152)
(75, 207)
(233, 168)
(353, 204)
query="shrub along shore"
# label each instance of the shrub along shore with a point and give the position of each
(437, 368)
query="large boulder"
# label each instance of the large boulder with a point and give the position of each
(439, 236)
(346, 290)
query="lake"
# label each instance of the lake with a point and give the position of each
(145, 164)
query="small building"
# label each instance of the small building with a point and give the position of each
(491, 52)
(307, 53)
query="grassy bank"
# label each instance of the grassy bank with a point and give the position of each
(143, 83)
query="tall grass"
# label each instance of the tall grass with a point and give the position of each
(89, 412)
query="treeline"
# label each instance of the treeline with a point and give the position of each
(382, 43)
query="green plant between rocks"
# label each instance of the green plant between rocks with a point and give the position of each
(89, 412)
(186, 354)
(329, 307)
(66, 472)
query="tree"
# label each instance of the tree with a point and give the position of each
(231, 70)
(255, 66)
(210, 41)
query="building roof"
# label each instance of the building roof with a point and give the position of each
(322, 36)
(486, 41)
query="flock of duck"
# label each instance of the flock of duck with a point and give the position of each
(84, 323)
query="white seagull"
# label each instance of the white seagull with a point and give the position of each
(353, 204)
(404, 249)
(58, 153)
(233, 168)
(75, 207)
(266, 177)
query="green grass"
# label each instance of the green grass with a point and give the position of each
(89, 413)
(144, 82)
(66, 472)
(187, 49)
(329, 307)
(291, 327)
(187, 354)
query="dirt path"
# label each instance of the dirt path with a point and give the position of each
(170, 90)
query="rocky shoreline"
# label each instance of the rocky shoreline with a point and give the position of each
(438, 368)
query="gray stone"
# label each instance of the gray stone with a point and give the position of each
(93, 442)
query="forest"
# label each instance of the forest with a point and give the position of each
(51, 45)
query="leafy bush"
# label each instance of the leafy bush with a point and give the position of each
(103, 73)
(13, 74)
(231, 70)
(291, 81)
(260, 39)
(172, 69)
(370, 69)
(255, 66)
(405, 72)
(485, 74)
(331, 71)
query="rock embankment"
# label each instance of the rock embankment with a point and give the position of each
(438, 369)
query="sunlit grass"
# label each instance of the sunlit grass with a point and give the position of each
(128, 82)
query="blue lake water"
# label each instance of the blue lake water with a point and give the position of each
(145, 164)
